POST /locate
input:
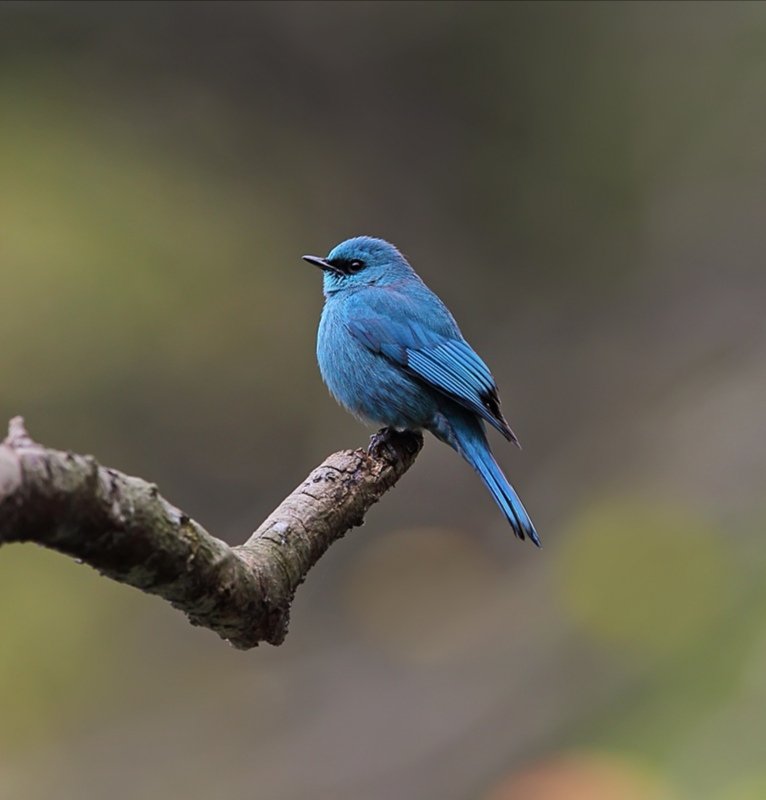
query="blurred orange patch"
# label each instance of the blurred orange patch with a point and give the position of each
(583, 777)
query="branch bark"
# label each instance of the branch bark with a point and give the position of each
(124, 528)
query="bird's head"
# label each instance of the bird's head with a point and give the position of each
(361, 261)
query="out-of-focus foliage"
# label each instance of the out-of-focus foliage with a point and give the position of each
(583, 184)
(622, 564)
(58, 645)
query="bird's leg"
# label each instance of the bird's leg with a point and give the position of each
(388, 443)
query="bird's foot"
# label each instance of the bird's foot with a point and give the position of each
(389, 443)
(381, 444)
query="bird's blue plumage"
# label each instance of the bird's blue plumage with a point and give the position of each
(390, 352)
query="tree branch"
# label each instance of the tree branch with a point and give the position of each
(125, 529)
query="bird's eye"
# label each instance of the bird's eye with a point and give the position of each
(355, 266)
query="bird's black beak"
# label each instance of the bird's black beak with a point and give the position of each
(322, 263)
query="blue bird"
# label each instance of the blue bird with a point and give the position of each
(392, 354)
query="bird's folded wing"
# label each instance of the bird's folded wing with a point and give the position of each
(443, 362)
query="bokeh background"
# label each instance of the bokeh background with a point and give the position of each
(584, 186)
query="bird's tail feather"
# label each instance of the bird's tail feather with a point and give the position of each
(475, 450)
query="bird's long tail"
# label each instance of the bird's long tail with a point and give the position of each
(471, 442)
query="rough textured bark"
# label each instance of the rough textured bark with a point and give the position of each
(125, 529)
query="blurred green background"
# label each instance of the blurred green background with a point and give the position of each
(583, 184)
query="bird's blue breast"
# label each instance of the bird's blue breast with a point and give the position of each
(368, 384)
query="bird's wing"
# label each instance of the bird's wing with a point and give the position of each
(444, 362)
